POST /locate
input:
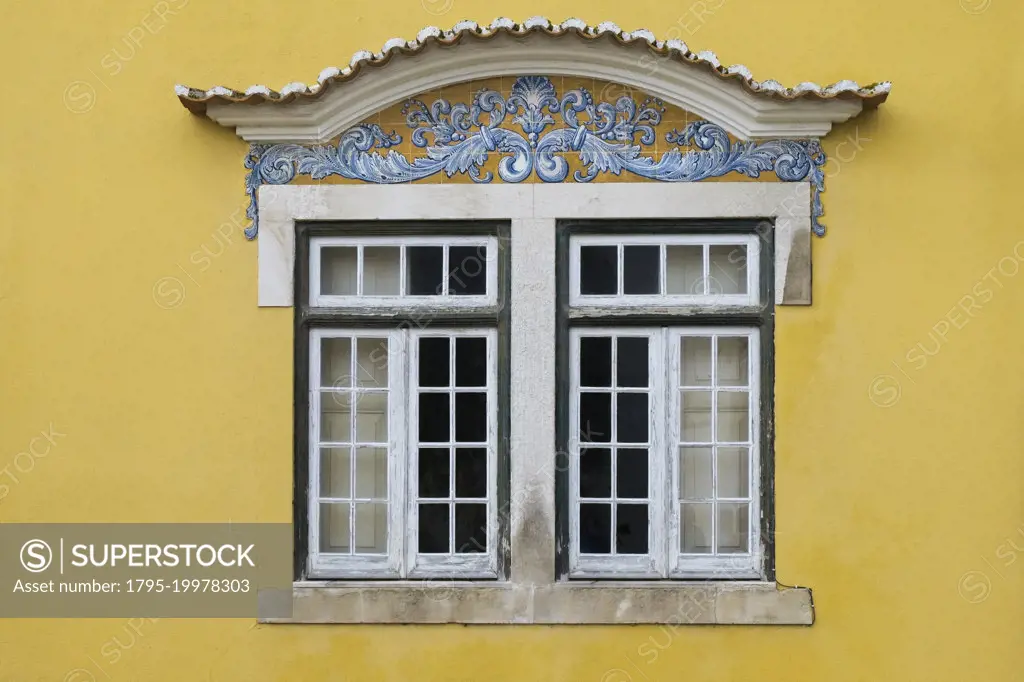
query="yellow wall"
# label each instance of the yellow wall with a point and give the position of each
(184, 413)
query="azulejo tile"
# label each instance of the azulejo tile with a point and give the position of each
(532, 133)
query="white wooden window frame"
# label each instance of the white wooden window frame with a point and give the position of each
(360, 565)
(714, 565)
(533, 592)
(464, 565)
(445, 298)
(652, 564)
(665, 558)
(751, 259)
(402, 559)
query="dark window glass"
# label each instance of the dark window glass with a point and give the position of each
(470, 528)
(631, 418)
(433, 529)
(471, 472)
(599, 270)
(595, 361)
(631, 473)
(595, 528)
(595, 417)
(471, 417)
(595, 472)
(631, 366)
(425, 269)
(640, 269)
(433, 469)
(467, 271)
(433, 418)
(470, 361)
(631, 529)
(433, 365)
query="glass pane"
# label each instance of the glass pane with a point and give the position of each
(471, 361)
(733, 416)
(467, 272)
(595, 361)
(334, 527)
(434, 529)
(595, 417)
(470, 472)
(695, 360)
(372, 528)
(381, 267)
(336, 362)
(695, 474)
(728, 269)
(595, 472)
(733, 527)
(470, 528)
(696, 528)
(631, 361)
(733, 361)
(641, 269)
(425, 270)
(335, 417)
(338, 270)
(684, 270)
(471, 417)
(631, 473)
(733, 472)
(433, 364)
(372, 418)
(433, 469)
(372, 473)
(335, 472)
(372, 362)
(631, 529)
(696, 416)
(599, 270)
(595, 528)
(631, 418)
(433, 426)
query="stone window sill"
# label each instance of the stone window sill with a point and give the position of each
(576, 602)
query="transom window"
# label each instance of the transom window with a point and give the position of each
(405, 446)
(622, 270)
(415, 271)
(664, 403)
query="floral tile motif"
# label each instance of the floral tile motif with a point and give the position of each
(528, 135)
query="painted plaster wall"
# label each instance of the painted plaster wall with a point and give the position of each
(132, 338)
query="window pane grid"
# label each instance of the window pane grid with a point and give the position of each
(463, 517)
(612, 503)
(380, 271)
(353, 493)
(652, 270)
(711, 522)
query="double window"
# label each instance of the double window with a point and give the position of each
(664, 400)
(663, 337)
(404, 394)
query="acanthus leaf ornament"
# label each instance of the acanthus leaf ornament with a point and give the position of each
(609, 137)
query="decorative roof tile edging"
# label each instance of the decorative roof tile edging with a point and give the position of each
(196, 100)
(607, 137)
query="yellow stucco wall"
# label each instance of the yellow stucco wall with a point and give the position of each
(898, 473)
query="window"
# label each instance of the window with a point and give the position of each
(404, 326)
(664, 394)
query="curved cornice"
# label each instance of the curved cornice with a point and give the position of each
(697, 82)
